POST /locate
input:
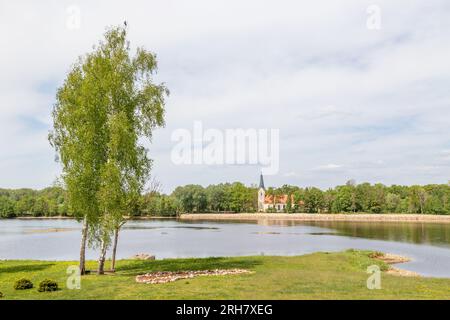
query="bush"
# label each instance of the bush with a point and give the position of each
(23, 284)
(48, 285)
(1, 295)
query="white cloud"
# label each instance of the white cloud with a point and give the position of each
(330, 166)
(336, 90)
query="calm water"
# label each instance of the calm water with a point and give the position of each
(427, 244)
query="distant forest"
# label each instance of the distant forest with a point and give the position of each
(236, 197)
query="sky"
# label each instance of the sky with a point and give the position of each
(351, 98)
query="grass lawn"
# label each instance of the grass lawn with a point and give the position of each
(315, 276)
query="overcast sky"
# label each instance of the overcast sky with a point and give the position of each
(350, 102)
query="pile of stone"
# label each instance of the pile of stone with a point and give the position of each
(143, 256)
(170, 276)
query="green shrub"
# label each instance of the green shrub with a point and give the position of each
(48, 285)
(23, 284)
(1, 295)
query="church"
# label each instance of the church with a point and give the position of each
(270, 202)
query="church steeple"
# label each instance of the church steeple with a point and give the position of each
(261, 194)
(261, 182)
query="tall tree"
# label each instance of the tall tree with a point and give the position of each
(106, 104)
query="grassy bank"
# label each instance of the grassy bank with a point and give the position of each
(365, 217)
(315, 276)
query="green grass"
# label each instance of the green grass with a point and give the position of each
(314, 276)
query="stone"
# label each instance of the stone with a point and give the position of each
(170, 276)
(143, 256)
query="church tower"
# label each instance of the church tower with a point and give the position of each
(261, 194)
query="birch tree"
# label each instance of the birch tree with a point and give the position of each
(108, 102)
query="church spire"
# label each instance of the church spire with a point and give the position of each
(261, 182)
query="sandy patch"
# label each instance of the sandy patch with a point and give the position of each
(401, 272)
(49, 230)
(390, 259)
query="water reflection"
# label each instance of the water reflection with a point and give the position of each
(132, 226)
(413, 232)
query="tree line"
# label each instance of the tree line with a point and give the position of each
(348, 198)
(236, 197)
(48, 202)
(53, 202)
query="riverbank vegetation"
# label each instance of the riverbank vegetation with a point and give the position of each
(236, 197)
(315, 276)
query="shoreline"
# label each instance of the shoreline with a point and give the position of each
(73, 218)
(394, 259)
(362, 217)
(311, 217)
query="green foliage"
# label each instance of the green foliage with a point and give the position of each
(48, 202)
(23, 284)
(48, 285)
(236, 197)
(107, 103)
(156, 204)
(191, 198)
(1, 295)
(313, 200)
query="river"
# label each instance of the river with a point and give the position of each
(427, 244)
